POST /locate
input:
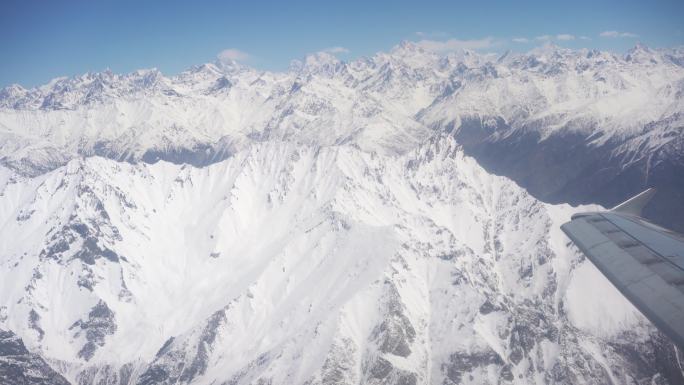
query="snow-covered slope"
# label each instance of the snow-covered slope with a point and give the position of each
(558, 115)
(328, 225)
(552, 88)
(292, 264)
(576, 126)
(388, 102)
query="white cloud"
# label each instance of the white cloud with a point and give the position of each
(231, 54)
(616, 34)
(432, 35)
(456, 44)
(559, 37)
(336, 49)
(520, 40)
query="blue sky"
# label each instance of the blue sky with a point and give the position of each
(50, 38)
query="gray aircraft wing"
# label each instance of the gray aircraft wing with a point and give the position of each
(644, 261)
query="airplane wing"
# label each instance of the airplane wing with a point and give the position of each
(644, 261)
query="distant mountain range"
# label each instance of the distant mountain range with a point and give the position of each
(570, 126)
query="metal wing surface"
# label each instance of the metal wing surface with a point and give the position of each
(644, 261)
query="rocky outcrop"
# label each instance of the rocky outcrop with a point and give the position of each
(18, 366)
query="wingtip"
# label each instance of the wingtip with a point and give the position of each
(635, 204)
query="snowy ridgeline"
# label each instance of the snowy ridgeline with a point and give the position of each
(296, 264)
(388, 103)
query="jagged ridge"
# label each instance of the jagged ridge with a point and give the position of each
(305, 264)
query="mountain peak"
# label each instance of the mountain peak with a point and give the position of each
(549, 50)
(407, 46)
(207, 68)
(642, 54)
(13, 89)
(317, 63)
(227, 66)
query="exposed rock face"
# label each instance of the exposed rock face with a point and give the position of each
(394, 334)
(19, 366)
(181, 364)
(99, 324)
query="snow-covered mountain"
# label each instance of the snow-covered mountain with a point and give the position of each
(328, 225)
(292, 264)
(620, 114)
(388, 102)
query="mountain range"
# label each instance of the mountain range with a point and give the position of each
(389, 220)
